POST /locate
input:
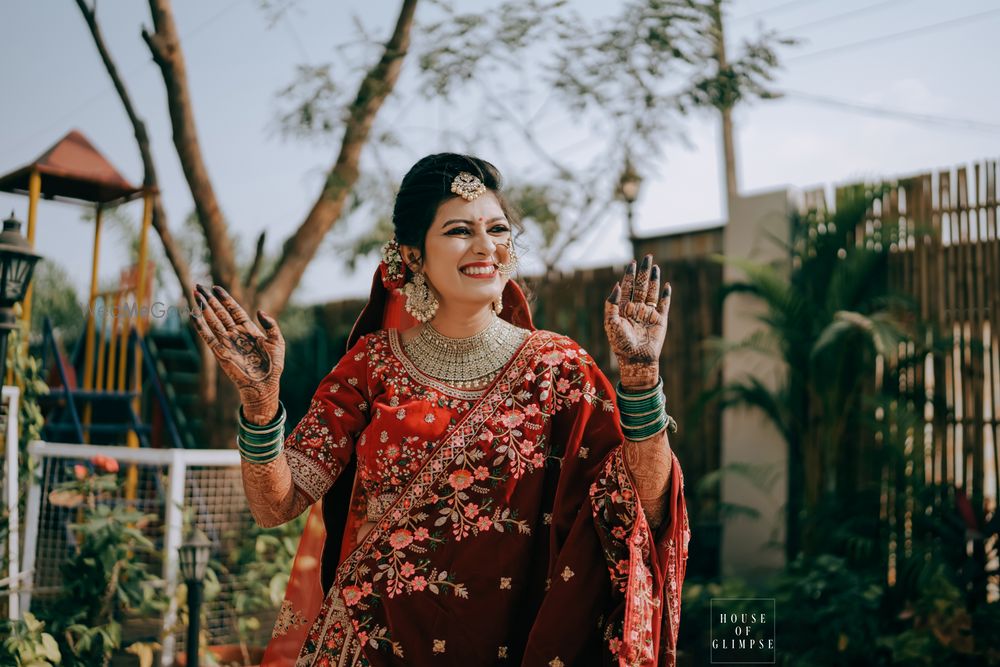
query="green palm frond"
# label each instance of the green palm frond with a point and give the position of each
(762, 341)
(751, 392)
(880, 329)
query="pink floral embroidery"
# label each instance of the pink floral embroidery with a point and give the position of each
(352, 595)
(460, 479)
(401, 539)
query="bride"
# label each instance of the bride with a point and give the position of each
(481, 493)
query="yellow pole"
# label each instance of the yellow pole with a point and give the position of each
(34, 192)
(133, 441)
(88, 352)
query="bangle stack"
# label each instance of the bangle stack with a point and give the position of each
(644, 414)
(261, 443)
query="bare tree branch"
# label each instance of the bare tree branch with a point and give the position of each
(302, 245)
(170, 247)
(175, 256)
(164, 44)
(258, 256)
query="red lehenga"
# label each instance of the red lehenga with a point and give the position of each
(507, 527)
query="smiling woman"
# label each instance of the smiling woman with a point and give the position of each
(484, 499)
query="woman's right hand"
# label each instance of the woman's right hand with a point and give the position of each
(251, 358)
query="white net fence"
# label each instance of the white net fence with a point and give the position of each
(180, 489)
(11, 574)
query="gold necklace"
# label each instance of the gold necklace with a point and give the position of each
(465, 362)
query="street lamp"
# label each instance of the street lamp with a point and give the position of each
(628, 189)
(17, 263)
(194, 555)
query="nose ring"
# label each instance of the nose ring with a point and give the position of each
(508, 266)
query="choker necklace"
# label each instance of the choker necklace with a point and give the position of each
(468, 362)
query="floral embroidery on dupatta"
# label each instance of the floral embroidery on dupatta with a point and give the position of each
(288, 619)
(615, 504)
(452, 496)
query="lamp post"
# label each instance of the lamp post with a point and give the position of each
(193, 556)
(17, 264)
(628, 190)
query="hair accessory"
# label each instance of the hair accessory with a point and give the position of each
(391, 266)
(467, 186)
(420, 301)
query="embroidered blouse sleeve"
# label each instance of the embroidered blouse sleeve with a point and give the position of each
(321, 444)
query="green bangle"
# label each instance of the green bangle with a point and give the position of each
(260, 458)
(279, 420)
(637, 416)
(640, 403)
(646, 433)
(261, 439)
(263, 448)
(641, 433)
(643, 423)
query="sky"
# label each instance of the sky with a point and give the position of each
(875, 88)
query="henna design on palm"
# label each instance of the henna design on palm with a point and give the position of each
(636, 322)
(251, 358)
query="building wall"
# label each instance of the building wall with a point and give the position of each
(752, 546)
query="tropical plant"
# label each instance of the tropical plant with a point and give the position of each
(261, 567)
(26, 372)
(107, 576)
(27, 644)
(825, 317)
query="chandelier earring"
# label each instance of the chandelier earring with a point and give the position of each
(420, 301)
(498, 304)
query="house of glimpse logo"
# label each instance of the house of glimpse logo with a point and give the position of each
(742, 631)
(156, 310)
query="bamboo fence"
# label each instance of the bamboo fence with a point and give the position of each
(942, 233)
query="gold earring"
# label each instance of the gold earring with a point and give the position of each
(498, 304)
(420, 301)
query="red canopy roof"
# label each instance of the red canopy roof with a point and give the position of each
(73, 169)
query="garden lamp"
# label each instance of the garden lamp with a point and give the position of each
(17, 263)
(628, 189)
(193, 556)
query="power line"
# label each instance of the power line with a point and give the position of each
(838, 17)
(883, 39)
(772, 10)
(932, 119)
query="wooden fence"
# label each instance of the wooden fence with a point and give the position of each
(942, 232)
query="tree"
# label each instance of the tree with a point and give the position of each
(629, 83)
(272, 292)
(617, 87)
(56, 298)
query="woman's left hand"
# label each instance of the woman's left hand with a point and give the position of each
(636, 323)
